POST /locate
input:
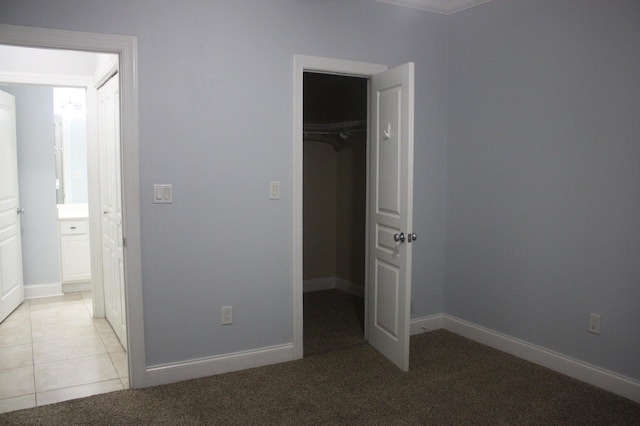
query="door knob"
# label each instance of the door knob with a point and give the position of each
(399, 237)
(20, 210)
(413, 236)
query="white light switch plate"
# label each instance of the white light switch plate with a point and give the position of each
(162, 194)
(274, 190)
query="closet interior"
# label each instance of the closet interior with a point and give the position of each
(334, 211)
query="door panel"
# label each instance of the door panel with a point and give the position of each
(386, 312)
(11, 283)
(388, 170)
(111, 206)
(390, 209)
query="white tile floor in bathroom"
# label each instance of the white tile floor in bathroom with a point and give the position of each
(52, 350)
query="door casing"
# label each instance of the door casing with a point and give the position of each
(126, 49)
(303, 64)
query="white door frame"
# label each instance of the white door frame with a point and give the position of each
(303, 64)
(126, 49)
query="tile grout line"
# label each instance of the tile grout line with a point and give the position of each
(33, 358)
(81, 385)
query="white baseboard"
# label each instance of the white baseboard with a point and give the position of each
(426, 324)
(193, 369)
(328, 283)
(596, 376)
(35, 291)
(349, 287)
(318, 284)
(81, 286)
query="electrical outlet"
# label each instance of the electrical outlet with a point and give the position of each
(594, 323)
(227, 315)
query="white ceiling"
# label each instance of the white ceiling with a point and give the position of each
(445, 7)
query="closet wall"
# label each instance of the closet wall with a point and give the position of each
(351, 208)
(334, 181)
(320, 210)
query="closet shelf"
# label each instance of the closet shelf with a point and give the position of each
(339, 135)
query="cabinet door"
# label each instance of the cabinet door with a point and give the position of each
(76, 258)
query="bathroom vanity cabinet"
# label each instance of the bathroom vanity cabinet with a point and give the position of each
(75, 252)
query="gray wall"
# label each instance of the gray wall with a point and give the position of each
(215, 81)
(37, 182)
(543, 174)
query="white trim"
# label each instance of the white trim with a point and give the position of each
(35, 291)
(349, 287)
(329, 283)
(108, 70)
(79, 286)
(45, 79)
(203, 367)
(301, 64)
(319, 284)
(126, 48)
(596, 376)
(319, 64)
(444, 7)
(426, 324)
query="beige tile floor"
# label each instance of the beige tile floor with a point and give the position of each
(52, 350)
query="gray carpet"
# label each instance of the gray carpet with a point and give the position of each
(452, 381)
(332, 320)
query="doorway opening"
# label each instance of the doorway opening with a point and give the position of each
(125, 49)
(332, 67)
(65, 293)
(25, 41)
(389, 201)
(335, 111)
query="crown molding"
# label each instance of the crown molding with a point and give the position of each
(444, 7)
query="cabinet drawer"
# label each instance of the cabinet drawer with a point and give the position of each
(73, 227)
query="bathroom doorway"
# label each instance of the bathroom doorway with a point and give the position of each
(64, 329)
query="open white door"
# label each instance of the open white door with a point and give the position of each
(111, 206)
(390, 213)
(11, 284)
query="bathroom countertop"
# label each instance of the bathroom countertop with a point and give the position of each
(73, 211)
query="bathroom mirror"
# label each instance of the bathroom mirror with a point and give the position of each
(70, 125)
